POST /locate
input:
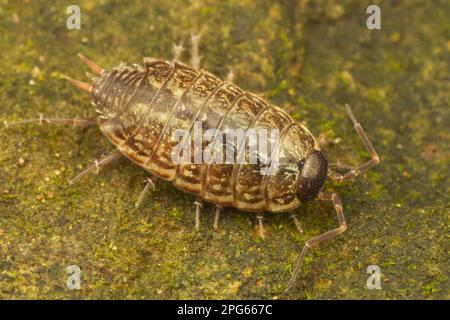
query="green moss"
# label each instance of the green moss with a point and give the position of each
(176, 213)
(387, 263)
(430, 288)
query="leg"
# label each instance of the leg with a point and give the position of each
(340, 166)
(326, 196)
(230, 75)
(261, 230)
(97, 165)
(82, 123)
(177, 51)
(216, 217)
(322, 140)
(195, 57)
(198, 205)
(325, 141)
(366, 142)
(296, 222)
(144, 192)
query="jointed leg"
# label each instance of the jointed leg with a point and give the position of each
(334, 198)
(145, 191)
(177, 51)
(82, 123)
(260, 218)
(296, 222)
(340, 166)
(324, 141)
(198, 206)
(367, 144)
(97, 165)
(195, 57)
(216, 217)
(230, 75)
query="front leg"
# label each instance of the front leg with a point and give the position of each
(352, 173)
(325, 196)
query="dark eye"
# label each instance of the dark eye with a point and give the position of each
(312, 176)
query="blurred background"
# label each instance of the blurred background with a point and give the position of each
(309, 58)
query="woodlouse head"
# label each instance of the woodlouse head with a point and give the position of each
(313, 175)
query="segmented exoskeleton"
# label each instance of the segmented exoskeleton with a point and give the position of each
(141, 107)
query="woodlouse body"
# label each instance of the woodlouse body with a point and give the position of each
(142, 107)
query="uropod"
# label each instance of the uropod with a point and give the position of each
(141, 107)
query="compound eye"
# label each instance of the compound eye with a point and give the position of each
(313, 175)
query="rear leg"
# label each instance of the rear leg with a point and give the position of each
(325, 196)
(198, 206)
(98, 164)
(149, 184)
(261, 230)
(74, 122)
(217, 217)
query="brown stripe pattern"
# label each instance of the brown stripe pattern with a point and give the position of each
(141, 107)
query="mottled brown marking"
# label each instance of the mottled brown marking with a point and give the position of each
(141, 107)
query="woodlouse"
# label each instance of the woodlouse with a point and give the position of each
(140, 106)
